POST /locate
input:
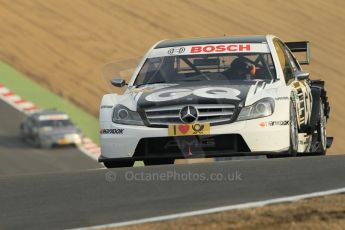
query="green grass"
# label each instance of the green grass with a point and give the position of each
(30, 90)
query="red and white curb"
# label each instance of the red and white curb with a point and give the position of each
(16, 101)
(88, 147)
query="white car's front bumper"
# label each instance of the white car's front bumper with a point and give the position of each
(260, 135)
(58, 140)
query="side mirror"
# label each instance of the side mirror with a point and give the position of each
(118, 82)
(302, 75)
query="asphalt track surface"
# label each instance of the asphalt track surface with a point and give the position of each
(61, 188)
(18, 157)
(86, 198)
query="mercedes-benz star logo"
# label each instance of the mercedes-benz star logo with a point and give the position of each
(188, 114)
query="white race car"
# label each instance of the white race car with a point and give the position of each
(215, 97)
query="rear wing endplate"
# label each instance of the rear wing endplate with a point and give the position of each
(298, 47)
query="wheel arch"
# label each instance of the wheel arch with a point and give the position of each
(316, 93)
(319, 94)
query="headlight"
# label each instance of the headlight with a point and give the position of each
(261, 108)
(122, 115)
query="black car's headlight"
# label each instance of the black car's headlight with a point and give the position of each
(123, 115)
(261, 108)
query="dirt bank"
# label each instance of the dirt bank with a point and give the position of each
(317, 213)
(63, 44)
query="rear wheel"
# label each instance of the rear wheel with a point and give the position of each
(321, 131)
(293, 130)
(159, 161)
(119, 164)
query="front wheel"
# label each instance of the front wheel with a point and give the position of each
(119, 164)
(37, 142)
(293, 130)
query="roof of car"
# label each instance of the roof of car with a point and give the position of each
(46, 112)
(212, 40)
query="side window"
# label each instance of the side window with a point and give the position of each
(293, 60)
(284, 61)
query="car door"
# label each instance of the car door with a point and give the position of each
(300, 88)
(31, 128)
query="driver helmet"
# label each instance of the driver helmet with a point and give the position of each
(242, 67)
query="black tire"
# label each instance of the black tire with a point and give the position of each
(168, 161)
(321, 131)
(119, 164)
(37, 142)
(293, 130)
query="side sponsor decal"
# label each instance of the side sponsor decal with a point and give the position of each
(106, 107)
(273, 123)
(111, 131)
(303, 142)
(301, 90)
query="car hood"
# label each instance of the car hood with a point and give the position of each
(161, 95)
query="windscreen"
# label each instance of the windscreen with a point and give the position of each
(55, 123)
(208, 63)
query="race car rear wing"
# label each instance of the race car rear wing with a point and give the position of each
(299, 47)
